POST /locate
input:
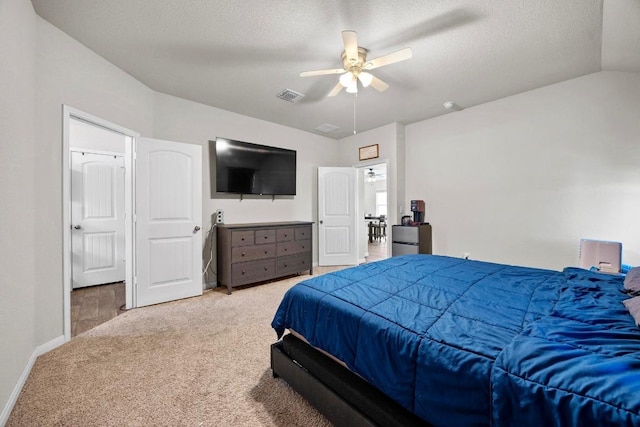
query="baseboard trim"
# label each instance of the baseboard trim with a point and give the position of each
(13, 398)
(48, 346)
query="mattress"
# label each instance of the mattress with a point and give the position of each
(461, 342)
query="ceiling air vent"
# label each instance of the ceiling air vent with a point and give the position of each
(326, 128)
(290, 95)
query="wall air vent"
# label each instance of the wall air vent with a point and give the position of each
(290, 95)
(326, 128)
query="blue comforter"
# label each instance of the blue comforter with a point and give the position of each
(462, 342)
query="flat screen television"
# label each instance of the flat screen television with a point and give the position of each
(246, 168)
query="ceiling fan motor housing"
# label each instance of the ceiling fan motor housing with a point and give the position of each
(358, 66)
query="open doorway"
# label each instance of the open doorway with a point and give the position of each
(97, 260)
(374, 197)
(97, 224)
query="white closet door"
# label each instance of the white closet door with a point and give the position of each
(97, 219)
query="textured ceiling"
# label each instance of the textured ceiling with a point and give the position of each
(237, 55)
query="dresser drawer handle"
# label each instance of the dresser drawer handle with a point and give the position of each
(243, 272)
(266, 252)
(266, 268)
(242, 239)
(266, 237)
(243, 254)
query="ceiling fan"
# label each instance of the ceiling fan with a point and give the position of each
(357, 67)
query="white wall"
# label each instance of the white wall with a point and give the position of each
(19, 206)
(620, 35)
(522, 179)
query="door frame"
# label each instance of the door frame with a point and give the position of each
(67, 114)
(390, 211)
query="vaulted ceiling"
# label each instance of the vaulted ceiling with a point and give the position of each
(238, 55)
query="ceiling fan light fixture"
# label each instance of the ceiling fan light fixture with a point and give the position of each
(365, 78)
(352, 87)
(346, 79)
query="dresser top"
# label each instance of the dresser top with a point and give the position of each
(265, 224)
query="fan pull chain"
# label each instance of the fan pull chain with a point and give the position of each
(355, 95)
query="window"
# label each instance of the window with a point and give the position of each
(381, 203)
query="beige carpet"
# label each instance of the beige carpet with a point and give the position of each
(197, 362)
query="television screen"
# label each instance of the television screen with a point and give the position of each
(246, 168)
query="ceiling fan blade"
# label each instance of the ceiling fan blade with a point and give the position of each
(321, 72)
(336, 90)
(378, 84)
(400, 55)
(350, 40)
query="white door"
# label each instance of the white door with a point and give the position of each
(337, 216)
(168, 211)
(97, 219)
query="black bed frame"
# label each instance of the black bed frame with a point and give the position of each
(340, 395)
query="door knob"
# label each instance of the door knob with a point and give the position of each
(77, 227)
(196, 229)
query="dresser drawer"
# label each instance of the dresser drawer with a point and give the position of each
(292, 248)
(293, 264)
(285, 234)
(242, 238)
(253, 271)
(253, 253)
(265, 236)
(303, 233)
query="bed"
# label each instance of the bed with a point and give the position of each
(435, 340)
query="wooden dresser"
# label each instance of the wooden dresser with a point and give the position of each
(251, 253)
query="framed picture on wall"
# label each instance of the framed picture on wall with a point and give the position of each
(368, 152)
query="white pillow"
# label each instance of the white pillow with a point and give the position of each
(632, 280)
(633, 305)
